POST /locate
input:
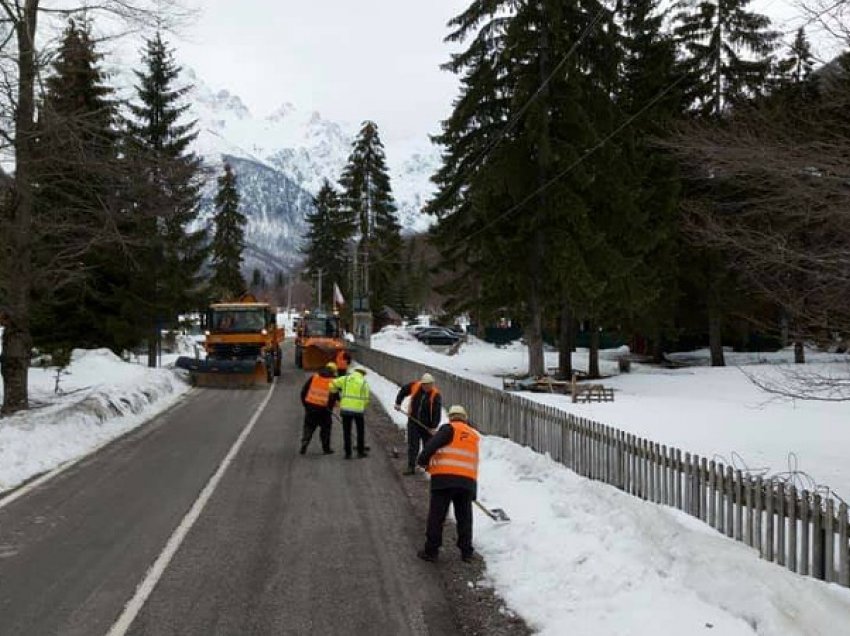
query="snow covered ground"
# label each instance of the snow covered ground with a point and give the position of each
(715, 412)
(580, 557)
(102, 398)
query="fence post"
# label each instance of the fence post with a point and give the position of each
(703, 489)
(843, 547)
(677, 472)
(759, 516)
(739, 506)
(817, 537)
(730, 502)
(780, 523)
(712, 494)
(768, 533)
(829, 542)
(750, 511)
(792, 528)
(805, 507)
(721, 495)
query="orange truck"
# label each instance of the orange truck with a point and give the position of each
(318, 340)
(243, 345)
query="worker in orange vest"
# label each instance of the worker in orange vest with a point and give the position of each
(342, 360)
(318, 400)
(423, 412)
(451, 458)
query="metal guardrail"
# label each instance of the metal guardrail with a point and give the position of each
(795, 529)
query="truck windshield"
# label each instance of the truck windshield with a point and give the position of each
(238, 321)
(320, 327)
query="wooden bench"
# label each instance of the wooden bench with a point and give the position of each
(590, 392)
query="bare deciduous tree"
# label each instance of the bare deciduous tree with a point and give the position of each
(21, 63)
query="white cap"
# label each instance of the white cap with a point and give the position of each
(427, 378)
(457, 412)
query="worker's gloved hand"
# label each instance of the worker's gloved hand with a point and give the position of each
(398, 407)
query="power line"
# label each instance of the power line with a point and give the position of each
(567, 170)
(516, 117)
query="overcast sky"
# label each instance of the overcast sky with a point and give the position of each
(350, 60)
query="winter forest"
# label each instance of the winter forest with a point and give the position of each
(675, 174)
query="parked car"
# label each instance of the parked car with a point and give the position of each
(438, 336)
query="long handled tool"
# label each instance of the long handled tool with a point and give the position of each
(496, 514)
(415, 421)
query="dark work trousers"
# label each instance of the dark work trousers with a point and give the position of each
(321, 419)
(415, 433)
(461, 499)
(357, 419)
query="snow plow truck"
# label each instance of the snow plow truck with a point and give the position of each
(318, 340)
(242, 345)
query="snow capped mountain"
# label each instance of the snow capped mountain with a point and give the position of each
(282, 159)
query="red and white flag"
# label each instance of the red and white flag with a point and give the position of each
(339, 299)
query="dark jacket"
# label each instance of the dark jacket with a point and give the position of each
(441, 438)
(325, 373)
(422, 407)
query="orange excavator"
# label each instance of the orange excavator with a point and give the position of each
(318, 340)
(242, 345)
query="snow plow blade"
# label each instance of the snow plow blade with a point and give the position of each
(316, 356)
(224, 373)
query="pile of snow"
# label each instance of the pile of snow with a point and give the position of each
(101, 397)
(582, 557)
(716, 412)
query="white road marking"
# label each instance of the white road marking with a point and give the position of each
(143, 591)
(61, 468)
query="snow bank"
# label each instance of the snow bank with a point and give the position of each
(714, 412)
(102, 398)
(580, 557)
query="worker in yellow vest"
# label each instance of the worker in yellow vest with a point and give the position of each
(451, 458)
(318, 400)
(353, 393)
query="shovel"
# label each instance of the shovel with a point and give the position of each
(496, 514)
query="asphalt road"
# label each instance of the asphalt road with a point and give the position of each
(287, 544)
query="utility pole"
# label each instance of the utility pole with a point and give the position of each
(320, 272)
(289, 296)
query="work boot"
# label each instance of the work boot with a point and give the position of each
(468, 557)
(409, 471)
(348, 455)
(362, 454)
(303, 448)
(427, 556)
(328, 451)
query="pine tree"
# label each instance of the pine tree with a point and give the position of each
(327, 246)
(229, 239)
(727, 61)
(796, 68)
(169, 271)
(367, 199)
(78, 163)
(536, 86)
(649, 88)
(728, 51)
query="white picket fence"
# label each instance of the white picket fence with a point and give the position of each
(795, 529)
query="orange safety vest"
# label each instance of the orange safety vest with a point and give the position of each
(414, 391)
(460, 457)
(319, 393)
(341, 362)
